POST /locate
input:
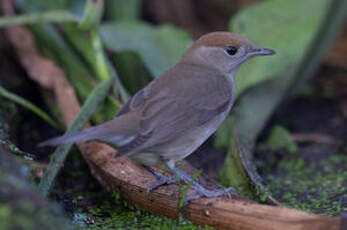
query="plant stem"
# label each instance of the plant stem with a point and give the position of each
(100, 62)
(103, 66)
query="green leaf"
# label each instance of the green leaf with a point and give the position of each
(57, 16)
(132, 71)
(239, 172)
(122, 10)
(286, 27)
(61, 48)
(258, 103)
(28, 105)
(290, 33)
(330, 28)
(92, 14)
(222, 137)
(183, 194)
(78, 41)
(71, 49)
(75, 6)
(280, 138)
(159, 47)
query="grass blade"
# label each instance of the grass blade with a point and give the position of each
(95, 98)
(186, 188)
(28, 105)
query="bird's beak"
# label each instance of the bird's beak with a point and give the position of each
(259, 51)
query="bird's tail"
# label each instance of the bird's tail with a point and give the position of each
(106, 132)
(85, 135)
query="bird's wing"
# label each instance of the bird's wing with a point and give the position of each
(169, 111)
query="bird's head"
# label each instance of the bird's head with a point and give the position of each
(223, 51)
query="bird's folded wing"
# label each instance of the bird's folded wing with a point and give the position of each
(185, 105)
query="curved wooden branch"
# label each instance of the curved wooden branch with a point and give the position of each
(122, 175)
(132, 181)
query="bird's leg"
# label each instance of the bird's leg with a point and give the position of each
(161, 179)
(200, 189)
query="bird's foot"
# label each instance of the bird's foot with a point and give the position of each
(161, 179)
(200, 190)
(209, 193)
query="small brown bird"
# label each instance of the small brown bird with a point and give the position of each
(175, 113)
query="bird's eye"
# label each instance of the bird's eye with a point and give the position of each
(231, 50)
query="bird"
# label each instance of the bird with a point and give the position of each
(176, 112)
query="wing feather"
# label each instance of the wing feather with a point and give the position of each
(169, 111)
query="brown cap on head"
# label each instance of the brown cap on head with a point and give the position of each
(220, 39)
(223, 51)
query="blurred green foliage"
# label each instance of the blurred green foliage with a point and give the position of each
(289, 30)
(122, 10)
(153, 44)
(280, 139)
(284, 26)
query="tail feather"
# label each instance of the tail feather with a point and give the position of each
(85, 135)
(116, 132)
(89, 135)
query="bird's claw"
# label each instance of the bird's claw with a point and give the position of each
(161, 180)
(218, 192)
(200, 190)
(209, 193)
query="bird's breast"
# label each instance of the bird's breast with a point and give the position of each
(186, 144)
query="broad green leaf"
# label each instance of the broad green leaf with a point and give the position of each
(285, 26)
(258, 103)
(329, 30)
(159, 47)
(290, 33)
